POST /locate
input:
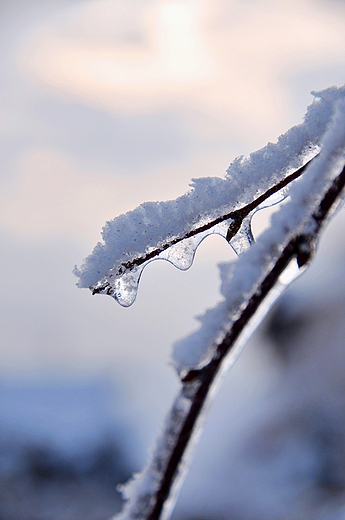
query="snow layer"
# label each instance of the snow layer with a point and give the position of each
(153, 225)
(241, 279)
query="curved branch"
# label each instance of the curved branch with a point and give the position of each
(258, 278)
(316, 199)
(296, 248)
(237, 217)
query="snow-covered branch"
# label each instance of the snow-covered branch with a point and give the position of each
(173, 230)
(250, 285)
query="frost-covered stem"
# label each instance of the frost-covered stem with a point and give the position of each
(172, 230)
(156, 489)
(301, 248)
(257, 278)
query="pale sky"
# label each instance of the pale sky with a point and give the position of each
(105, 104)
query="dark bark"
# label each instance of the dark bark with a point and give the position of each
(300, 247)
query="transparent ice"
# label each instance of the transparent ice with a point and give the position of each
(124, 287)
(131, 240)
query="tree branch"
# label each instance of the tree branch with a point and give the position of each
(237, 216)
(204, 378)
(170, 229)
(258, 277)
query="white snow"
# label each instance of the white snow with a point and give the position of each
(240, 280)
(153, 225)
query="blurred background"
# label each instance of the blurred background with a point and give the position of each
(105, 104)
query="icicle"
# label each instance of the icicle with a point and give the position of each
(244, 237)
(123, 286)
(122, 282)
(182, 254)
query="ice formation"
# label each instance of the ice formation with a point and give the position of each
(298, 218)
(240, 279)
(172, 230)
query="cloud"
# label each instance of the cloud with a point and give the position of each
(133, 144)
(140, 98)
(224, 58)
